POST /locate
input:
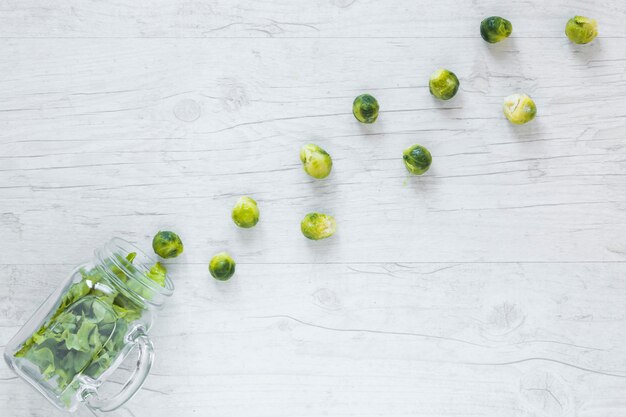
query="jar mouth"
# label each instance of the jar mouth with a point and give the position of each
(117, 249)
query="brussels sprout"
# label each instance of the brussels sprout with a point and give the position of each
(167, 244)
(581, 29)
(315, 161)
(494, 29)
(245, 213)
(365, 108)
(417, 159)
(222, 266)
(519, 108)
(316, 226)
(443, 84)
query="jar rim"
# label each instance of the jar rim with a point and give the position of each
(119, 246)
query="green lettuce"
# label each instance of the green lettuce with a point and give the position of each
(87, 331)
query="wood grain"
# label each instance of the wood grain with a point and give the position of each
(287, 18)
(101, 149)
(396, 339)
(493, 285)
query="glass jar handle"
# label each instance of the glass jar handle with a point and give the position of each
(144, 363)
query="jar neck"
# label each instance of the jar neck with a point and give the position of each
(130, 268)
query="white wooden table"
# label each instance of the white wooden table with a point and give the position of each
(492, 286)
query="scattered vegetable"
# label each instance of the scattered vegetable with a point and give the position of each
(365, 108)
(167, 244)
(88, 330)
(246, 213)
(581, 29)
(316, 161)
(316, 226)
(443, 84)
(417, 159)
(222, 266)
(519, 108)
(495, 29)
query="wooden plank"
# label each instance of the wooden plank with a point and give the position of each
(285, 18)
(370, 339)
(124, 137)
(491, 286)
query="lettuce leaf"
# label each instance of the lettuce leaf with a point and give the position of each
(87, 331)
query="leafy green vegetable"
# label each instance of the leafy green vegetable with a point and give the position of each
(317, 226)
(246, 212)
(316, 161)
(157, 274)
(365, 108)
(417, 159)
(443, 84)
(581, 30)
(519, 108)
(167, 244)
(87, 331)
(222, 266)
(495, 29)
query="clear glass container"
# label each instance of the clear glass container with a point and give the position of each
(101, 313)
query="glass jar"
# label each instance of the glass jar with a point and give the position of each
(88, 326)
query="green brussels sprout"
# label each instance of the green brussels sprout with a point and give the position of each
(316, 161)
(581, 29)
(167, 244)
(417, 159)
(443, 84)
(316, 226)
(519, 108)
(222, 266)
(494, 29)
(365, 108)
(245, 213)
